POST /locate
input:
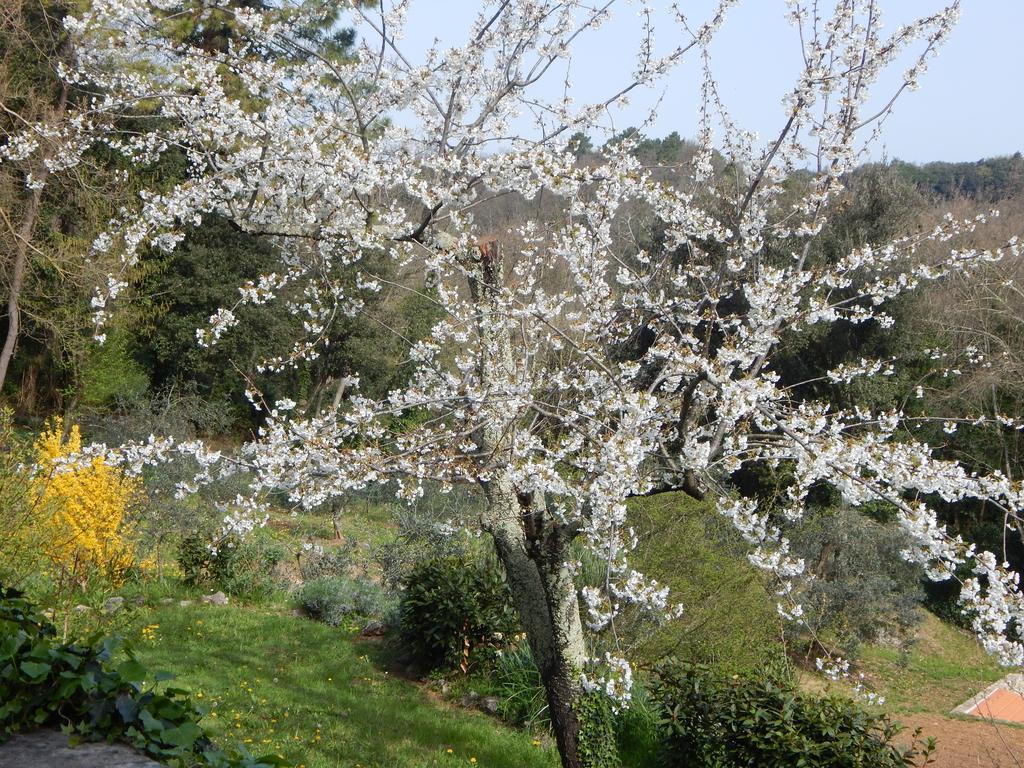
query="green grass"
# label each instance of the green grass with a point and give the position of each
(282, 684)
(941, 670)
(729, 618)
(367, 523)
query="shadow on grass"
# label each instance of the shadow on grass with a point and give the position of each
(320, 696)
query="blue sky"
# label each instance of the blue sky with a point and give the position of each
(970, 104)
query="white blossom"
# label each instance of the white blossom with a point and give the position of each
(537, 344)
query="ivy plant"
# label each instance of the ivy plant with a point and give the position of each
(97, 690)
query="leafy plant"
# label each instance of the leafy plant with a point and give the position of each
(636, 728)
(22, 535)
(710, 721)
(238, 566)
(331, 598)
(83, 689)
(425, 531)
(316, 562)
(862, 590)
(454, 610)
(516, 681)
(597, 744)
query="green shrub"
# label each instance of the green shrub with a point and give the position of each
(597, 743)
(331, 598)
(454, 611)
(81, 689)
(515, 680)
(422, 533)
(710, 721)
(242, 567)
(109, 372)
(862, 589)
(943, 599)
(316, 562)
(636, 728)
(21, 539)
(196, 560)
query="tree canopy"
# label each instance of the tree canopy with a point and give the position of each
(626, 339)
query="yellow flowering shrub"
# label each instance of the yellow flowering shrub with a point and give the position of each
(85, 527)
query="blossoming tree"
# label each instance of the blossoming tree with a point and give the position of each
(573, 366)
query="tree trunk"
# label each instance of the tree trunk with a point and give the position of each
(28, 390)
(339, 393)
(22, 239)
(534, 552)
(532, 546)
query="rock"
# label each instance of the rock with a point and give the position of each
(138, 600)
(490, 704)
(217, 598)
(184, 603)
(470, 699)
(81, 609)
(47, 749)
(373, 628)
(113, 605)
(166, 600)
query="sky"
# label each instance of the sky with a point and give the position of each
(970, 104)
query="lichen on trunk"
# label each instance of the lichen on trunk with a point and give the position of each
(531, 544)
(545, 599)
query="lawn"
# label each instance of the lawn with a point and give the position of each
(729, 618)
(324, 698)
(943, 668)
(319, 696)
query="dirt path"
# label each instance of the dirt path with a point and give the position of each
(970, 743)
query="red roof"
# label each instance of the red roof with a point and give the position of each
(1001, 704)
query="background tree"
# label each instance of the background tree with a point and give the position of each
(971, 327)
(57, 193)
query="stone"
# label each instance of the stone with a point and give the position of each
(184, 603)
(166, 600)
(217, 598)
(81, 609)
(138, 600)
(470, 699)
(113, 605)
(373, 628)
(490, 704)
(49, 749)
